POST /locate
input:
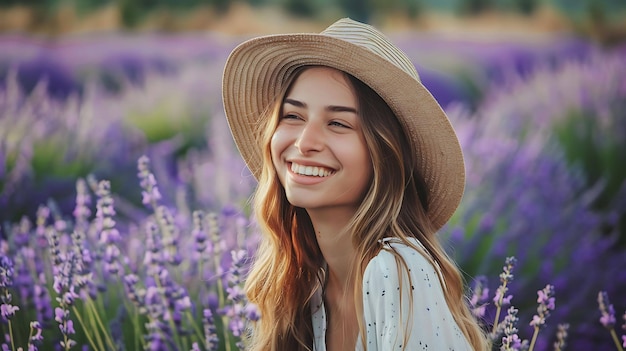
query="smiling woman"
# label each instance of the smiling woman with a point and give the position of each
(358, 168)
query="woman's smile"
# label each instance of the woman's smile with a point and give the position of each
(315, 171)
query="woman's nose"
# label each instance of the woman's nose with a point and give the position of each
(310, 139)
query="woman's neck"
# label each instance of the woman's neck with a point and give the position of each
(335, 242)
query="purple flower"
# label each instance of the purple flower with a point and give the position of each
(505, 278)
(153, 257)
(546, 304)
(480, 292)
(252, 312)
(210, 332)
(83, 200)
(6, 272)
(150, 192)
(510, 340)
(561, 337)
(235, 293)
(198, 233)
(7, 311)
(42, 302)
(606, 309)
(109, 235)
(68, 327)
(36, 331)
(132, 292)
(170, 235)
(60, 314)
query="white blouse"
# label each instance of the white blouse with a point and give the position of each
(387, 314)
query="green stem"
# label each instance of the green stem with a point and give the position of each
(107, 337)
(82, 324)
(11, 336)
(534, 339)
(616, 340)
(94, 328)
(136, 328)
(199, 333)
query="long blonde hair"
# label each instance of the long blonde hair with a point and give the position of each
(288, 265)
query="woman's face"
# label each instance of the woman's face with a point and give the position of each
(318, 148)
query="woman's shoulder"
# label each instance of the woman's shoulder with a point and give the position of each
(386, 262)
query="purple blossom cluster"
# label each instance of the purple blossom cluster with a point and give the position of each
(505, 334)
(166, 296)
(525, 197)
(607, 319)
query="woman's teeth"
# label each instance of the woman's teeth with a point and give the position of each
(310, 170)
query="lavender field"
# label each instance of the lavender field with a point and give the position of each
(123, 202)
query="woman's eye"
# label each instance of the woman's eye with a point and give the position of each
(290, 116)
(338, 124)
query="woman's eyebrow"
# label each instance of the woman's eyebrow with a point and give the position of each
(295, 103)
(331, 108)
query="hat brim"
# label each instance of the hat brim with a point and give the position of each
(257, 69)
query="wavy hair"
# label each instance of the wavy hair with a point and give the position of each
(289, 264)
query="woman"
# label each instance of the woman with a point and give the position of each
(358, 167)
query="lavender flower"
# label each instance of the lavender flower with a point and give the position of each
(150, 191)
(83, 200)
(199, 234)
(6, 272)
(561, 337)
(64, 265)
(109, 235)
(66, 326)
(160, 335)
(169, 235)
(510, 340)
(501, 299)
(252, 312)
(236, 312)
(606, 309)
(83, 280)
(608, 317)
(211, 341)
(480, 294)
(7, 311)
(132, 293)
(35, 334)
(546, 304)
(153, 257)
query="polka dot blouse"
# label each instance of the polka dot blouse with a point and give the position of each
(387, 308)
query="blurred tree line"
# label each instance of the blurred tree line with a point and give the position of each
(134, 11)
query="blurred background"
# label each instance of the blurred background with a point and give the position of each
(536, 90)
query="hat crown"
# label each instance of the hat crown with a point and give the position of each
(370, 38)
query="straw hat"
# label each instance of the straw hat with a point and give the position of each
(257, 69)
